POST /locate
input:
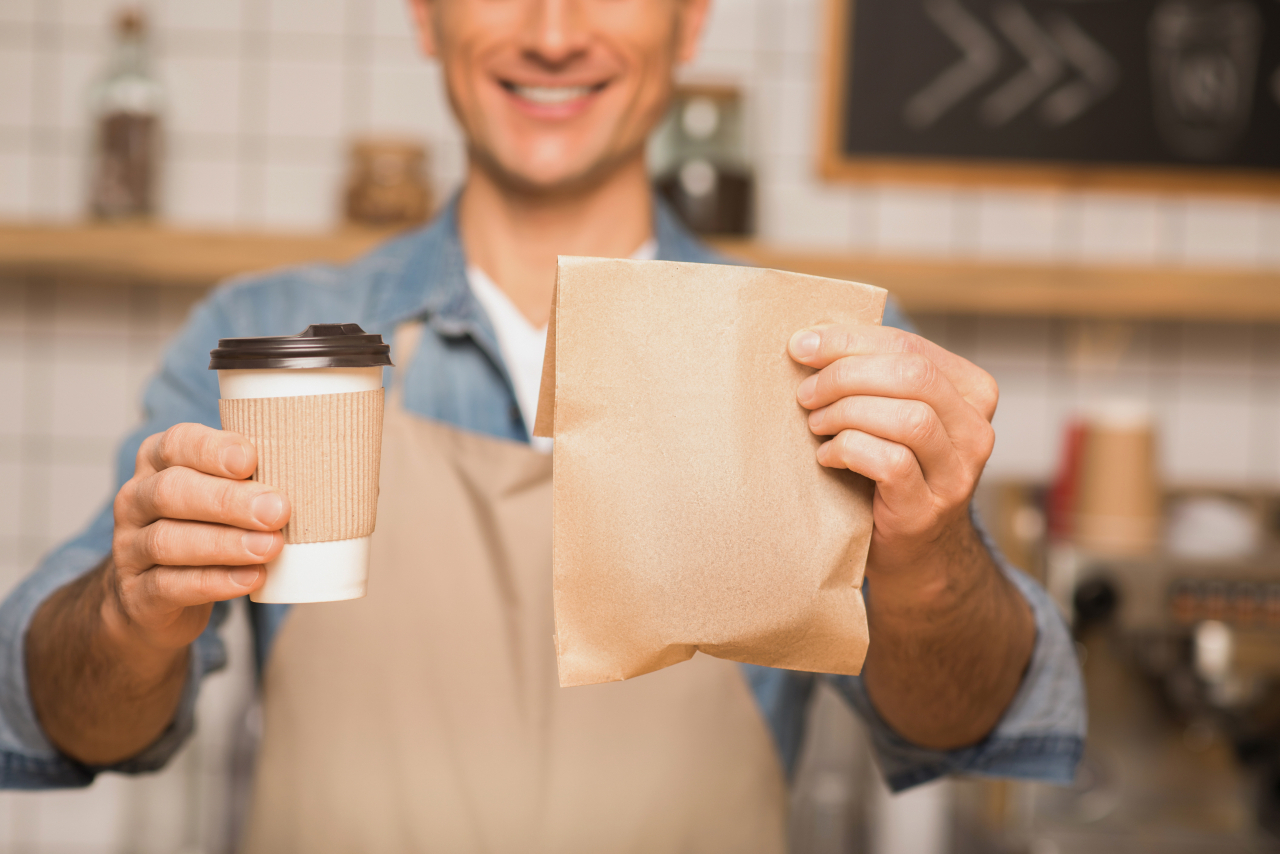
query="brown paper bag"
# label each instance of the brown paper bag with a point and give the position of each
(690, 512)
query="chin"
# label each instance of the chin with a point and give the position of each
(551, 168)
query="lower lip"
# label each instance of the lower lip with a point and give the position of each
(556, 112)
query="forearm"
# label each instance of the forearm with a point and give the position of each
(100, 694)
(944, 663)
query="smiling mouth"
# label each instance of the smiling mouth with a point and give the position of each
(551, 95)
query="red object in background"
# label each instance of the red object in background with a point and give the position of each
(1061, 504)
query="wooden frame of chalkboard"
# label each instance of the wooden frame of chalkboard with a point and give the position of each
(884, 157)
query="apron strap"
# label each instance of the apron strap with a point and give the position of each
(404, 345)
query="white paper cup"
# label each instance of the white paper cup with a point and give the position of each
(332, 569)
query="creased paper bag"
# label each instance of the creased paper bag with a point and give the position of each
(690, 512)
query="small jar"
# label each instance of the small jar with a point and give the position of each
(387, 184)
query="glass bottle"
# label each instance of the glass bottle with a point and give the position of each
(126, 103)
(699, 160)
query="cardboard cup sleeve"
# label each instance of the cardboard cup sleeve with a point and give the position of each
(323, 451)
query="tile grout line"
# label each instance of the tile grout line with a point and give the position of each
(251, 154)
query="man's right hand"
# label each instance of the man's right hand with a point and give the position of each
(106, 654)
(190, 531)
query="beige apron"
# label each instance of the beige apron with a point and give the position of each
(427, 717)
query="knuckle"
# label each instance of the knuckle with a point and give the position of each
(838, 340)
(163, 585)
(986, 442)
(842, 445)
(852, 447)
(916, 372)
(907, 342)
(159, 542)
(120, 541)
(899, 461)
(167, 448)
(124, 501)
(917, 422)
(146, 449)
(842, 373)
(837, 416)
(209, 447)
(988, 391)
(165, 489)
(226, 499)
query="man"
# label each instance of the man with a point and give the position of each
(425, 716)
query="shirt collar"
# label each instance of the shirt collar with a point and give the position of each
(424, 274)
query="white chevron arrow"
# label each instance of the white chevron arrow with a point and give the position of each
(1044, 66)
(1098, 74)
(980, 61)
(1049, 51)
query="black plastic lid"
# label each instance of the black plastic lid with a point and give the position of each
(322, 345)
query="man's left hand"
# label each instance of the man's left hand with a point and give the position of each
(950, 635)
(909, 415)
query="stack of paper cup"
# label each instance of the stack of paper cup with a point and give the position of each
(312, 406)
(1119, 501)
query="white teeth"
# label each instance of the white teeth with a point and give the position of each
(551, 94)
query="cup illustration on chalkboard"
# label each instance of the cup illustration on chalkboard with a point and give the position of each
(1204, 62)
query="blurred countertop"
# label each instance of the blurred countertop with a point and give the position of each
(157, 255)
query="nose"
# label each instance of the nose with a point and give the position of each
(556, 32)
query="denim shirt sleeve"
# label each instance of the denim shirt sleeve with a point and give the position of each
(184, 390)
(1040, 736)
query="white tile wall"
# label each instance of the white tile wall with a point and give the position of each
(15, 184)
(917, 221)
(17, 85)
(1219, 231)
(204, 189)
(1212, 389)
(1120, 229)
(1014, 224)
(199, 15)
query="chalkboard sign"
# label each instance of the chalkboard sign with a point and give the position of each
(1179, 93)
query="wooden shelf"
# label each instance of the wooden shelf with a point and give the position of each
(172, 257)
(162, 256)
(984, 287)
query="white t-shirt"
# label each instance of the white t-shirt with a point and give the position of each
(521, 345)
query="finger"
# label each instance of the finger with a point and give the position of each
(899, 480)
(216, 452)
(168, 588)
(172, 543)
(911, 423)
(179, 492)
(906, 376)
(820, 346)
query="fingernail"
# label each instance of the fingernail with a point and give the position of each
(807, 388)
(258, 542)
(234, 459)
(267, 508)
(805, 343)
(815, 418)
(245, 576)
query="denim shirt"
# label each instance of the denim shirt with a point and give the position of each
(458, 377)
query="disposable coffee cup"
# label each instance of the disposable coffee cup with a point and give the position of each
(1118, 507)
(312, 406)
